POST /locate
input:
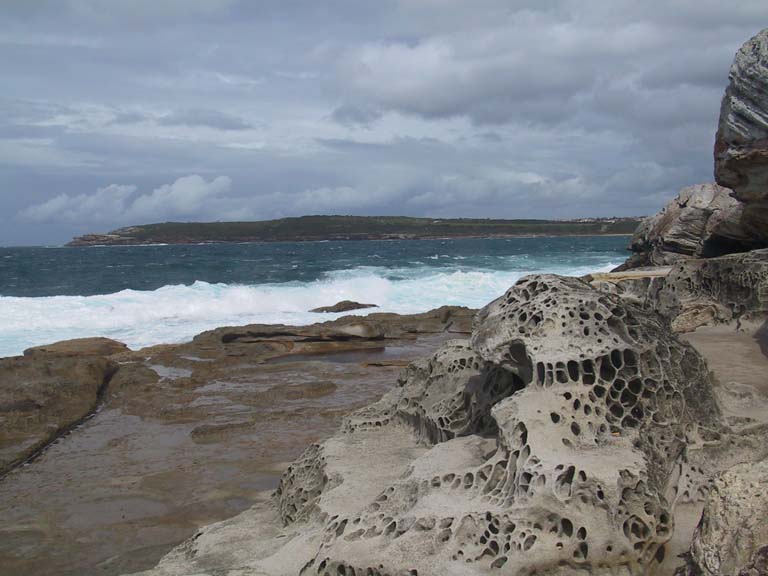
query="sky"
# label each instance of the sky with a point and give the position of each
(125, 112)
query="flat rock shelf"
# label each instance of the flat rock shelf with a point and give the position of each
(185, 435)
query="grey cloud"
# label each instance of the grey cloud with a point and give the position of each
(355, 115)
(106, 203)
(438, 107)
(203, 117)
(490, 136)
(129, 117)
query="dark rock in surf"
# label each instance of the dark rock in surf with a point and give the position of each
(344, 306)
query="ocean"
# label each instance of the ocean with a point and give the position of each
(145, 295)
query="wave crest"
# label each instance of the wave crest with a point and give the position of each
(177, 313)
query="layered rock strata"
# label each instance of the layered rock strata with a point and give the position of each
(741, 146)
(702, 221)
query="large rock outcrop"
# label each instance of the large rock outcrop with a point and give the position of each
(741, 147)
(731, 216)
(702, 221)
(556, 440)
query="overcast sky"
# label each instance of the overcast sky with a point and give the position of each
(124, 112)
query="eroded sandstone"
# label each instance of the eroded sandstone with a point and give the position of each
(702, 221)
(560, 438)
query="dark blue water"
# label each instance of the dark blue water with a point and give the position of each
(34, 272)
(148, 295)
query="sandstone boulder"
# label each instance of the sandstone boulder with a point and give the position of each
(80, 347)
(741, 147)
(377, 326)
(703, 220)
(732, 288)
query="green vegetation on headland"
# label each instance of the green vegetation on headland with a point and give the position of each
(352, 228)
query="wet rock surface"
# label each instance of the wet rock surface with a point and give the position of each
(344, 306)
(184, 435)
(49, 391)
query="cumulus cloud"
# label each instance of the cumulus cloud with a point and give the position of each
(104, 204)
(186, 196)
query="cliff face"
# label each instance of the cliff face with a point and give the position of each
(741, 147)
(709, 220)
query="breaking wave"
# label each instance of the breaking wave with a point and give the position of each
(175, 313)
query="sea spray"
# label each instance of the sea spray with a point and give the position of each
(163, 294)
(176, 313)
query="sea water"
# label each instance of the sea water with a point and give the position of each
(145, 295)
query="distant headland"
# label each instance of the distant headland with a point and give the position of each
(313, 228)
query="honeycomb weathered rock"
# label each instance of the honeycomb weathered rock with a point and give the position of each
(591, 402)
(725, 289)
(561, 439)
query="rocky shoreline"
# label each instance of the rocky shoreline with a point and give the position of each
(611, 424)
(111, 457)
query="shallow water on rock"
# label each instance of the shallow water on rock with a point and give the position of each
(178, 444)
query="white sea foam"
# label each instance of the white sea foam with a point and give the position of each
(177, 313)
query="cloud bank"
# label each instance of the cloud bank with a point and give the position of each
(438, 107)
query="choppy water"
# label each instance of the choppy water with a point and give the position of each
(147, 295)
